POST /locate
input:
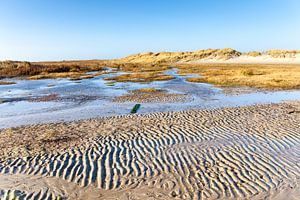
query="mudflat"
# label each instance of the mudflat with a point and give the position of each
(226, 153)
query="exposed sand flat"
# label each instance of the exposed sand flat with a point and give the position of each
(152, 96)
(232, 153)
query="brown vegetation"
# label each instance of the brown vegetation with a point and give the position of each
(138, 67)
(7, 83)
(253, 53)
(253, 75)
(217, 54)
(147, 67)
(10, 69)
(282, 53)
(148, 90)
(170, 57)
(140, 77)
(51, 97)
(72, 75)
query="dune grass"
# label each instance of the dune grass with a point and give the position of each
(169, 57)
(217, 54)
(282, 53)
(266, 76)
(253, 53)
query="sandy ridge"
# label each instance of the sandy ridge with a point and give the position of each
(225, 55)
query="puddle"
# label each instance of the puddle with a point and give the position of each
(90, 98)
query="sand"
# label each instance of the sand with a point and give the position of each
(244, 59)
(158, 96)
(230, 153)
(226, 55)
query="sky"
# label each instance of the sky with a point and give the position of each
(38, 30)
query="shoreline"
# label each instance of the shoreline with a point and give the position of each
(131, 100)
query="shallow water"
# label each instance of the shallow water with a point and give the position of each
(93, 98)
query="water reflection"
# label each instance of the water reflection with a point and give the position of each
(93, 98)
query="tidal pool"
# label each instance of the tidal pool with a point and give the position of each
(91, 98)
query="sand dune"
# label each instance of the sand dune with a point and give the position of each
(226, 55)
(231, 153)
(246, 59)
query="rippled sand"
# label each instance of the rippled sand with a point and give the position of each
(232, 153)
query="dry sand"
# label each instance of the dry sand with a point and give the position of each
(226, 55)
(244, 59)
(231, 153)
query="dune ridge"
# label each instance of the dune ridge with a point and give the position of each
(226, 55)
(229, 153)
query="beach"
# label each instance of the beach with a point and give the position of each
(224, 153)
(149, 100)
(150, 131)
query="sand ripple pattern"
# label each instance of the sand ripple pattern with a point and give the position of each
(231, 153)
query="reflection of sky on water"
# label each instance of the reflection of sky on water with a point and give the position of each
(204, 96)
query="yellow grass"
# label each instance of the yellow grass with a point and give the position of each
(253, 53)
(140, 77)
(137, 67)
(7, 83)
(147, 67)
(71, 75)
(148, 90)
(253, 75)
(10, 69)
(216, 54)
(282, 53)
(168, 57)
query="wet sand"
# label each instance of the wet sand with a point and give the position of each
(30, 102)
(158, 96)
(227, 153)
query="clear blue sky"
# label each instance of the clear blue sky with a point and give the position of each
(86, 29)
